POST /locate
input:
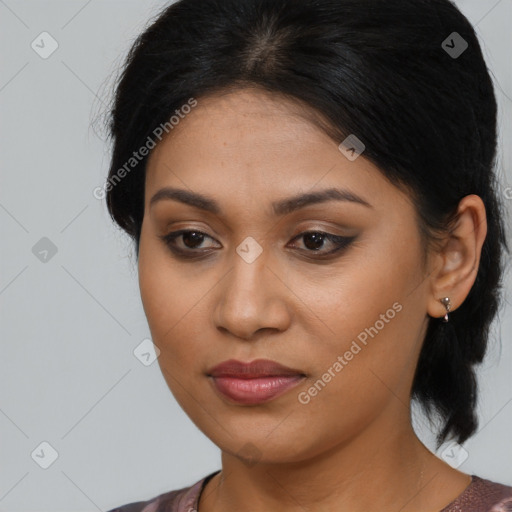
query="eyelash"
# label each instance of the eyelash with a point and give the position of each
(341, 243)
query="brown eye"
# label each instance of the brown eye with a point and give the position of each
(314, 241)
(192, 238)
(191, 241)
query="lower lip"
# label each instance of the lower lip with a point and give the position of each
(257, 390)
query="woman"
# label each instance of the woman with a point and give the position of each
(310, 188)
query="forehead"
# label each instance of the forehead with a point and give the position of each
(238, 121)
(250, 145)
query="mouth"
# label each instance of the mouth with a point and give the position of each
(253, 383)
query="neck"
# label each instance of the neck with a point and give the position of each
(369, 471)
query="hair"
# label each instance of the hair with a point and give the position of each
(374, 68)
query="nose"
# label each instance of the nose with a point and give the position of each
(253, 297)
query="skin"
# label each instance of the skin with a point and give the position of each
(352, 447)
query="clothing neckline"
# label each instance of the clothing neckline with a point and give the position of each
(202, 484)
(462, 495)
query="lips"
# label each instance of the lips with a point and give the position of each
(253, 383)
(254, 369)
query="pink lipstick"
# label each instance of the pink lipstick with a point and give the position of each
(253, 383)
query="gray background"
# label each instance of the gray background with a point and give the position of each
(69, 325)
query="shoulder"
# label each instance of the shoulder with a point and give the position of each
(496, 496)
(483, 495)
(154, 504)
(178, 500)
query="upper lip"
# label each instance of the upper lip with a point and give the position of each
(253, 369)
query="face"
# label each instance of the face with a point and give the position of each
(333, 289)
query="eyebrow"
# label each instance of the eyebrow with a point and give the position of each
(281, 207)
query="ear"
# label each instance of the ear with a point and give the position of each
(456, 264)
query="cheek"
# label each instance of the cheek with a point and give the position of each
(372, 321)
(159, 281)
(155, 290)
(367, 364)
(352, 299)
(170, 312)
(174, 301)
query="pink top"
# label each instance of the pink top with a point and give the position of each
(480, 495)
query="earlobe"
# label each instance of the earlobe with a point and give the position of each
(460, 258)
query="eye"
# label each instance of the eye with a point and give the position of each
(191, 240)
(314, 241)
